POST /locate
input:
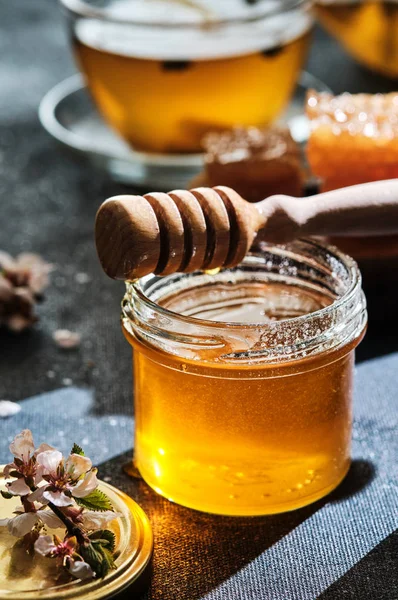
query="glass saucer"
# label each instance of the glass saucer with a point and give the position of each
(69, 115)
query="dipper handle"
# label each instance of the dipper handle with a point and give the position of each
(360, 210)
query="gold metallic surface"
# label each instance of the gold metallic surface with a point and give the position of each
(23, 577)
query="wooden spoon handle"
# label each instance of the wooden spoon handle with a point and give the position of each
(367, 209)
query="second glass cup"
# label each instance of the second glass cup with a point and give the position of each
(368, 30)
(164, 73)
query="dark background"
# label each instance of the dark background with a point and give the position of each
(49, 201)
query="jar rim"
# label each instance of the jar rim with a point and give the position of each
(348, 262)
(83, 8)
(305, 263)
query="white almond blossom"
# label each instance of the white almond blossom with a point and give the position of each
(20, 524)
(87, 485)
(92, 519)
(80, 569)
(23, 522)
(74, 477)
(18, 487)
(65, 550)
(25, 463)
(22, 446)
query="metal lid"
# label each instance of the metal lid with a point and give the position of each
(23, 577)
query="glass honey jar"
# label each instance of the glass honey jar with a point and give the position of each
(243, 379)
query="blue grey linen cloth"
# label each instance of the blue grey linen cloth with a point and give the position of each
(292, 557)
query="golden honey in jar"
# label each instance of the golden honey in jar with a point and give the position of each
(243, 379)
(367, 29)
(163, 73)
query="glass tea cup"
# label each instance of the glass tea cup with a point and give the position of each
(163, 73)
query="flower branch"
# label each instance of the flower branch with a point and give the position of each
(59, 493)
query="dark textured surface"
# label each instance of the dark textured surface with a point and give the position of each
(48, 206)
(375, 577)
(49, 201)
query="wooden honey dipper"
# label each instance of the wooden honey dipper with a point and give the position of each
(207, 228)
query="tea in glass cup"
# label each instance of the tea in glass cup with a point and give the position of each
(165, 72)
(368, 31)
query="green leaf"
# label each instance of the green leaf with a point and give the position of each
(93, 557)
(100, 559)
(105, 538)
(6, 495)
(97, 500)
(108, 560)
(77, 450)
